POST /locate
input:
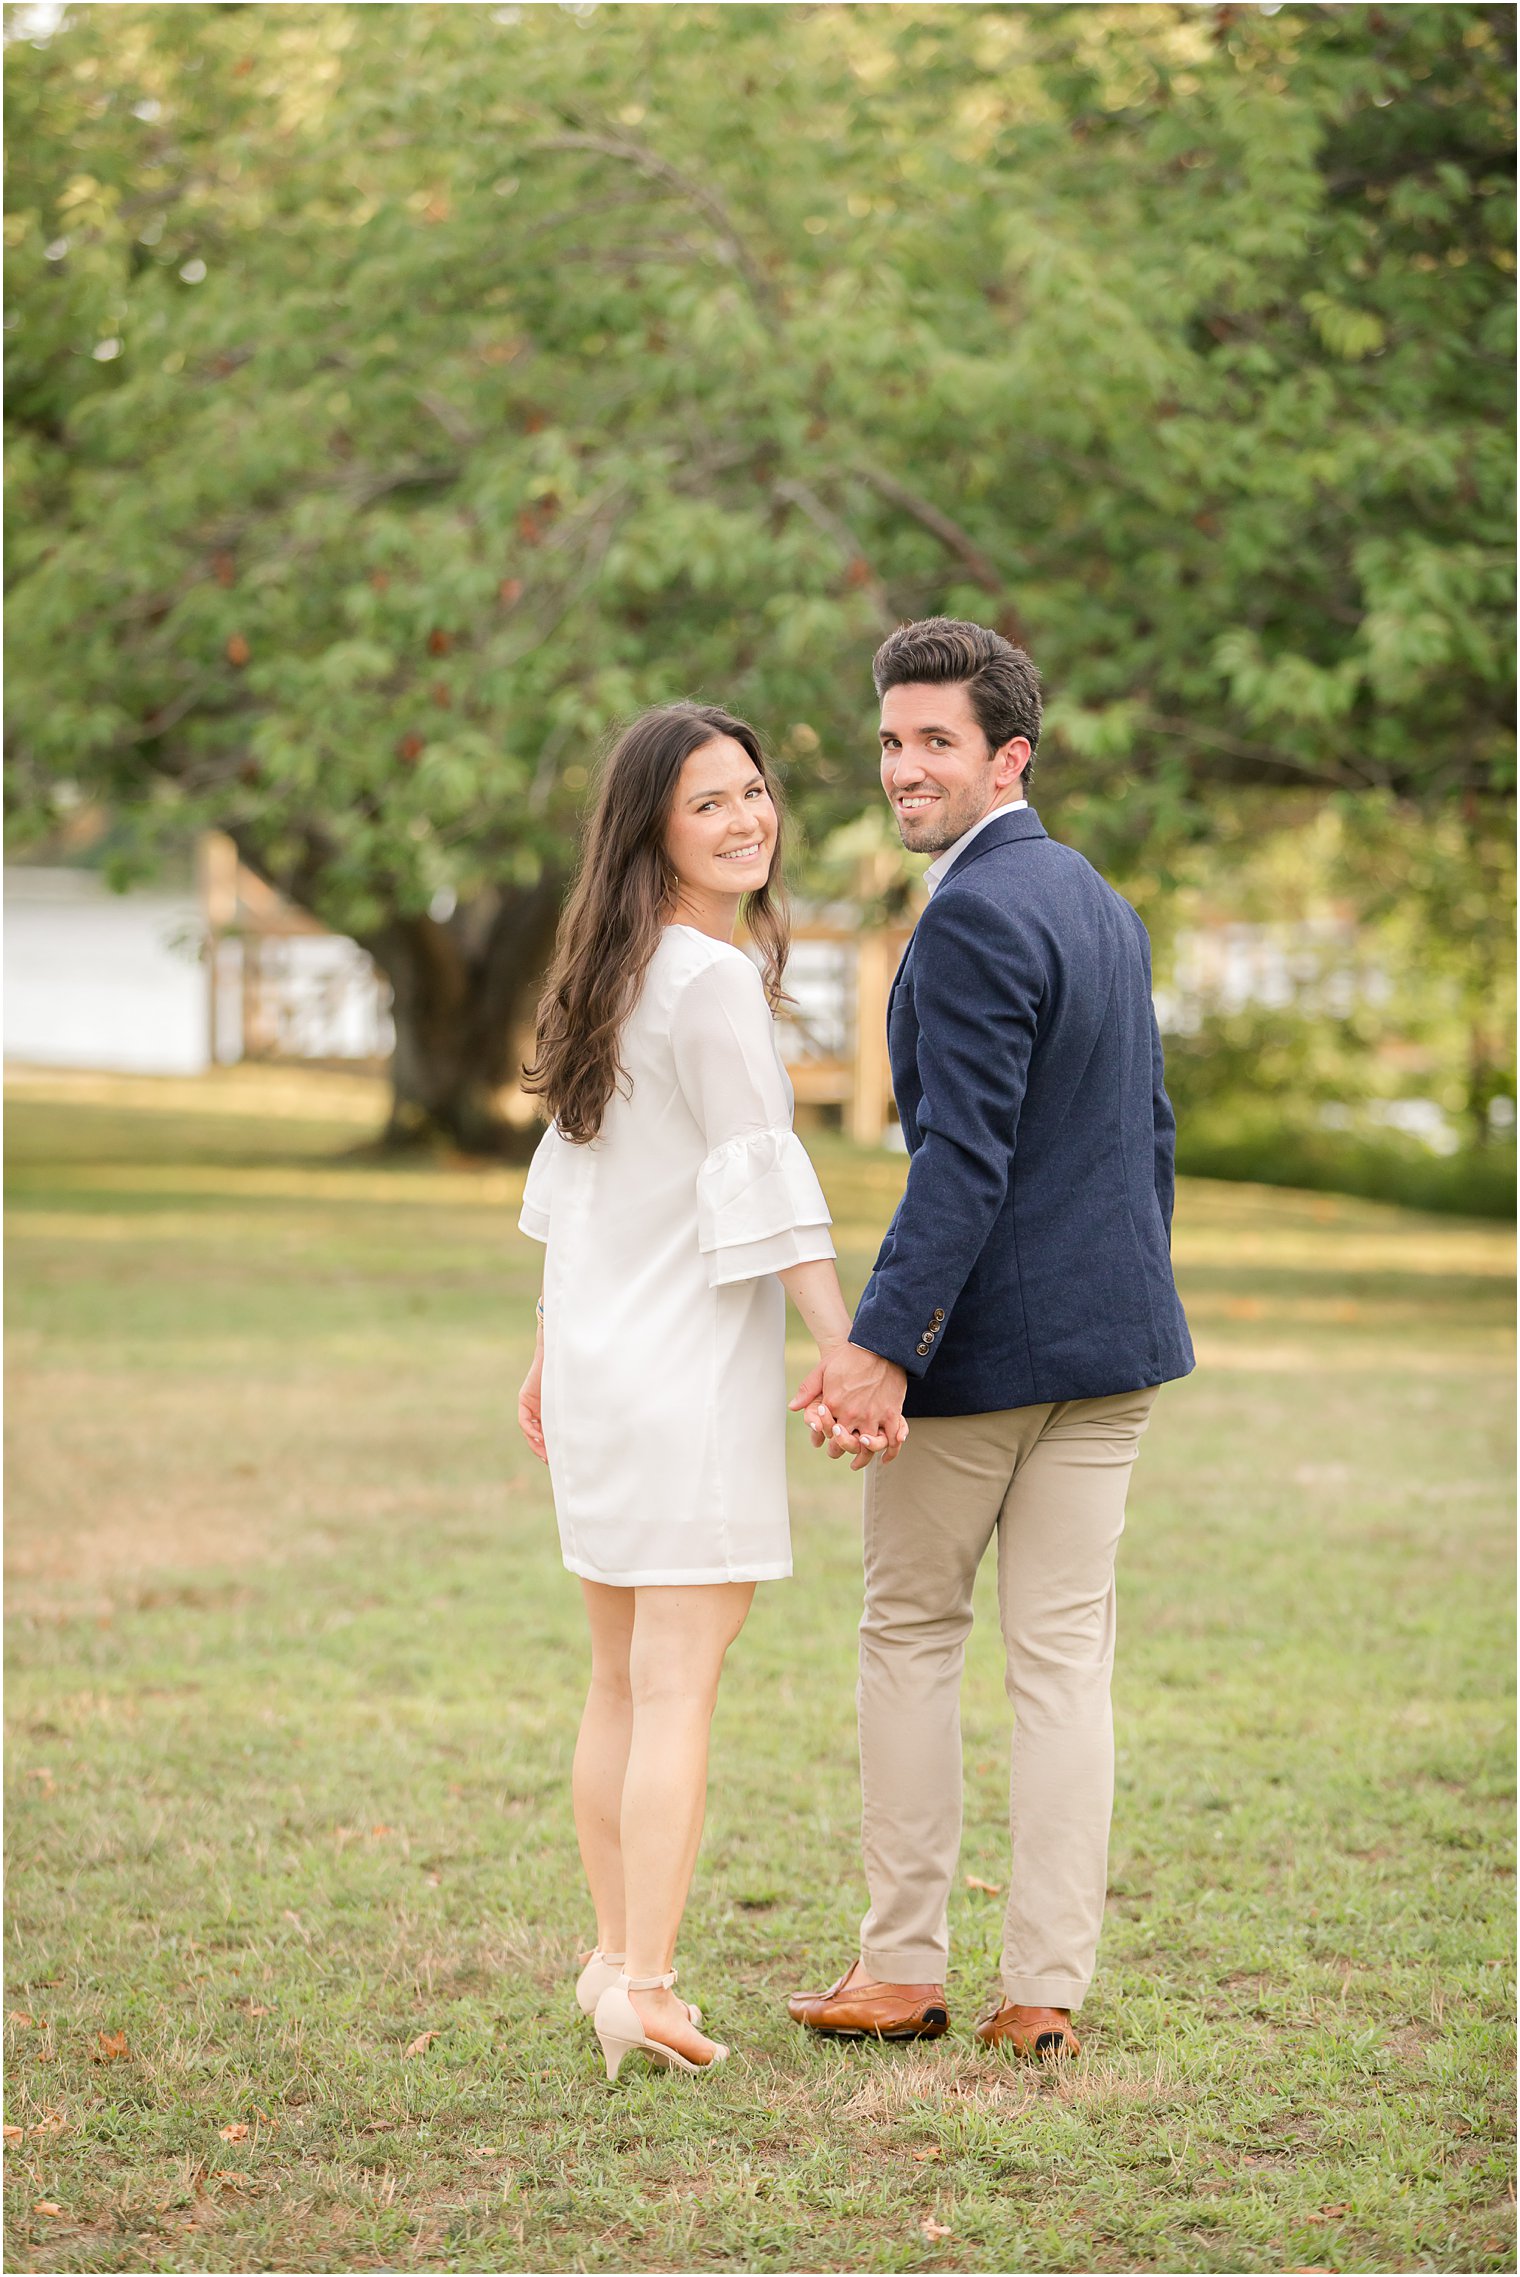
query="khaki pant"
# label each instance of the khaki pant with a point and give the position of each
(1050, 1482)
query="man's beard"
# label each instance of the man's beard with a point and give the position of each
(944, 828)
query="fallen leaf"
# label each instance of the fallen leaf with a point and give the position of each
(14, 2134)
(109, 2048)
(20, 2018)
(1333, 2213)
(51, 2123)
(934, 2230)
(47, 2206)
(993, 1889)
(238, 651)
(922, 2155)
(382, 1830)
(420, 2046)
(434, 1881)
(236, 2133)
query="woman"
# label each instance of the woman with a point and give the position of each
(675, 1202)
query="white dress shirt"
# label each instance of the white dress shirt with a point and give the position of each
(935, 873)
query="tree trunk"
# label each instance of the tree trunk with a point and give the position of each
(464, 991)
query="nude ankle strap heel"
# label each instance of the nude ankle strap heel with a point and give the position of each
(603, 1969)
(620, 2029)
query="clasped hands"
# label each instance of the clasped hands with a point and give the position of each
(853, 1404)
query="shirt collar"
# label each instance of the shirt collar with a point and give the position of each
(935, 874)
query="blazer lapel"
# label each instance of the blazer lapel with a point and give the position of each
(1023, 822)
(899, 976)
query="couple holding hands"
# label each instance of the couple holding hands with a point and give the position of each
(995, 1378)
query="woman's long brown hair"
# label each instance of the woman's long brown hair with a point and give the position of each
(620, 905)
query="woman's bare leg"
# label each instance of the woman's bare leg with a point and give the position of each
(680, 1636)
(601, 1756)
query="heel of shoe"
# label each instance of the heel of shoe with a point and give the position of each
(619, 2027)
(613, 2051)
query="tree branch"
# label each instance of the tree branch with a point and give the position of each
(1259, 755)
(655, 168)
(801, 495)
(981, 568)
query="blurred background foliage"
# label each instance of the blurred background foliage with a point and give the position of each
(1376, 1054)
(399, 396)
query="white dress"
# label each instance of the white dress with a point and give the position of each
(664, 1386)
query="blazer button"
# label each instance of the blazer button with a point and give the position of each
(937, 1315)
(923, 1347)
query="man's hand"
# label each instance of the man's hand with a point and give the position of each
(853, 1401)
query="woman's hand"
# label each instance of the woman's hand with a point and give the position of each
(861, 1444)
(530, 1407)
(868, 1391)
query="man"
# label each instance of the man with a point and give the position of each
(1021, 1313)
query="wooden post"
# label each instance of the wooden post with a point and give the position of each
(216, 869)
(253, 997)
(872, 1073)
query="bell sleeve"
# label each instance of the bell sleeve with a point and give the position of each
(533, 1219)
(760, 1207)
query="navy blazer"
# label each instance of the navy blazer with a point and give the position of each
(1029, 1259)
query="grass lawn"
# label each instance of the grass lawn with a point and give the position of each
(294, 1680)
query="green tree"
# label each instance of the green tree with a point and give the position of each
(398, 396)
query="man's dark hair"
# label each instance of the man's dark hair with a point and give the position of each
(943, 652)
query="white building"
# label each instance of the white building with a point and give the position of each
(96, 979)
(103, 980)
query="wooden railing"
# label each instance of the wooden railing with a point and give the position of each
(858, 1080)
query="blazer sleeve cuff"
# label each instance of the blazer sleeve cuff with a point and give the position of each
(874, 1333)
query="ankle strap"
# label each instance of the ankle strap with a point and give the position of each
(648, 1984)
(597, 1954)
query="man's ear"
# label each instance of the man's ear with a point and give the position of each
(1012, 760)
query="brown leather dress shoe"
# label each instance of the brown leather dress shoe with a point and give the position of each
(1031, 2032)
(872, 2011)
